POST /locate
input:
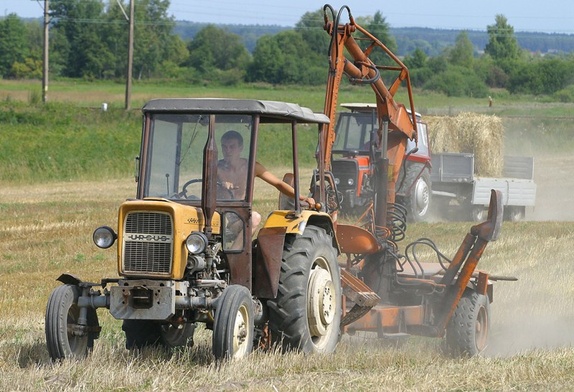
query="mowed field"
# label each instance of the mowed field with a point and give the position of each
(46, 229)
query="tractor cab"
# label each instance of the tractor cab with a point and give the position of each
(354, 149)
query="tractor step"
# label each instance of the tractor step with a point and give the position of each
(360, 294)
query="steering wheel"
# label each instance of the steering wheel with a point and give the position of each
(227, 193)
(183, 192)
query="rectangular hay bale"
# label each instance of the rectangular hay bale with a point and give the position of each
(479, 134)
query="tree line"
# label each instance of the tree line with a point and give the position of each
(88, 39)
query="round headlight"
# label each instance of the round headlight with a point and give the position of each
(351, 181)
(104, 237)
(196, 243)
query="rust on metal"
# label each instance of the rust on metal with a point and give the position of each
(360, 294)
(356, 240)
(383, 317)
(267, 267)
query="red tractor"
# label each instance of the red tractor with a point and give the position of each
(354, 151)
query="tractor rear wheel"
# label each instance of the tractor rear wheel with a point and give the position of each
(306, 315)
(177, 335)
(150, 333)
(64, 336)
(142, 333)
(233, 329)
(468, 329)
(419, 200)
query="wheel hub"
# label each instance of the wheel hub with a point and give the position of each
(322, 302)
(422, 196)
(240, 332)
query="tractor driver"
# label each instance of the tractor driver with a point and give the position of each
(232, 173)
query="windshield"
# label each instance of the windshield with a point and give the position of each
(353, 133)
(175, 155)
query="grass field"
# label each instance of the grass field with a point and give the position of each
(46, 223)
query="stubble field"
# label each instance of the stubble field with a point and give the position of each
(46, 230)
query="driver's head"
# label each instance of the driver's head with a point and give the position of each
(231, 144)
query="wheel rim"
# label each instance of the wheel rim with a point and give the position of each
(322, 303)
(76, 341)
(481, 329)
(241, 332)
(422, 197)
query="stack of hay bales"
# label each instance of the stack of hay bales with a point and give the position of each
(479, 134)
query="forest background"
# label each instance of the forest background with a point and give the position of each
(88, 41)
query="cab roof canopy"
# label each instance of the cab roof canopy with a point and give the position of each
(270, 111)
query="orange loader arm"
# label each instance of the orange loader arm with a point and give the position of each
(362, 70)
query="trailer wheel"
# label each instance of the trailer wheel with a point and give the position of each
(306, 315)
(65, 338)
(478, 213)
(468, 329)
(514, 213)
(233, 330)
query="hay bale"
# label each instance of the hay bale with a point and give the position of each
(480, 134)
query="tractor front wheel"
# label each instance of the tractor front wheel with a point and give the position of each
(177, 335)
(306, 315)
(233, 329)
(467, 331)
(65, 337)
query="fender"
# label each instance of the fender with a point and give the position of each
(270, 243)
(69, 279)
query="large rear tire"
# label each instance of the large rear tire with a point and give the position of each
(142, 333)
(468, 329)
(419, 200)
(233, 329)
(178, 335)
(150, 333)
(306, 315)
(65, 338)
(418, 185)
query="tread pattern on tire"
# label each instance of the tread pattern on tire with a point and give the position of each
(413, 169)
(461, 332)
(229, 305)
(60, 302)
(288, 312)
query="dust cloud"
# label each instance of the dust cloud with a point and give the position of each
(554, 189)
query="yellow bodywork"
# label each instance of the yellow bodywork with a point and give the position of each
(185, 219)
(294, 224)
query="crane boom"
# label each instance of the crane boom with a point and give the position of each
(393, 118)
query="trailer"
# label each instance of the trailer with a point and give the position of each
(458, 193)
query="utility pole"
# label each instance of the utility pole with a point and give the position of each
(46, 51)
(130, 57)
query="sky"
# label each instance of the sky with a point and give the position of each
(550, 16)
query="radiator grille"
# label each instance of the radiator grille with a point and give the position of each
(147, 243)
(345, 171)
